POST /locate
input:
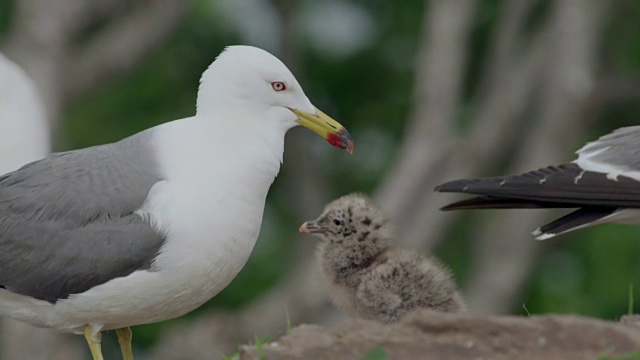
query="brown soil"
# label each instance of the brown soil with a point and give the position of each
(433, 335)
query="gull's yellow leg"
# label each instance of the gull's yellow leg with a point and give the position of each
(124, 339)
(93, 339)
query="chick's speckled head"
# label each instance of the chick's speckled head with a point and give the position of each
(350, 219)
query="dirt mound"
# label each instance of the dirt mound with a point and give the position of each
(433, 335)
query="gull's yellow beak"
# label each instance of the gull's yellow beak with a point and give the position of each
(323, 125)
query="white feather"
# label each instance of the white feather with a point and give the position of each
(621, 216)
(587, 160)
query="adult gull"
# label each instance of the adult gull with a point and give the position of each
(149, 228)
(603, 183)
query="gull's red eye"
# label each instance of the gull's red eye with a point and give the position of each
(278, 86)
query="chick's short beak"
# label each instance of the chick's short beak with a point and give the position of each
(323, 125)
(310, 227)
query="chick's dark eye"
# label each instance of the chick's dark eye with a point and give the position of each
(337, 222)
(278, 86)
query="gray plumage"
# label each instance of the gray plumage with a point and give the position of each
(366, 275)
(67, 222)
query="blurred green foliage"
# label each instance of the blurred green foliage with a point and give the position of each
(586, 272)
(377, 353)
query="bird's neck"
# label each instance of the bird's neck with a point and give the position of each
(244, 154)
(215, 182)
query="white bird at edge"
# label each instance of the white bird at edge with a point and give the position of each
(603, 183)
(24, 129)
(149, 228)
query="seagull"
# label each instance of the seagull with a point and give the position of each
(603, 183)
(149, 228)
(367, 275)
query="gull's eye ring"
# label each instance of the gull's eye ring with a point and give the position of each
(278, 86)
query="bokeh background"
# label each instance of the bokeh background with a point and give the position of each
(431, 90)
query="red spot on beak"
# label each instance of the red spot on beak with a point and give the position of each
(334, 140)
(342, 140)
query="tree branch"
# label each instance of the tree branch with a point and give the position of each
(122, 45)
(507, 38)
(424, 225)
(440, 68)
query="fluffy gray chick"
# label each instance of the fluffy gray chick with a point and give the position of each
(366, 275)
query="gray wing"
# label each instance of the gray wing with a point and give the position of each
(67, 222)
(620, 148)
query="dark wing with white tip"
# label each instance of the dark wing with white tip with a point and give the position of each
(564, 186)
(604, 183)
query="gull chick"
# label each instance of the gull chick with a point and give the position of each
(366, 275)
